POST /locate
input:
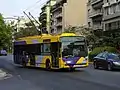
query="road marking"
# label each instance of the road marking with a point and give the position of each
(7, 77)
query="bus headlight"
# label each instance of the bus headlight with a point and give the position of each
(68, 62)
(84, 61)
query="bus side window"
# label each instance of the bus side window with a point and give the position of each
(41, 48)
(46, 48)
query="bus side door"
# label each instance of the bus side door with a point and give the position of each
(55, 54)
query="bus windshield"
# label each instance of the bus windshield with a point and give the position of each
(74, 46)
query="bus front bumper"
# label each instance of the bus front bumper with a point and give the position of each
(76, 66)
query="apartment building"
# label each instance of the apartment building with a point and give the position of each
(42, 18)
(111, 14)
(95, 14)
(45, 15)
(104, 15)
(67, 13)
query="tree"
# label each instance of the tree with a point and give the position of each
(85, 31)
(28, 30)
(5, 34)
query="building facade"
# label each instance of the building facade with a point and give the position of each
(95, 14)
(68, 13)
(45, 15)
(111, 15)
(104, 14)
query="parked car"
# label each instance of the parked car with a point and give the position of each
(3, 52)
(107, 61)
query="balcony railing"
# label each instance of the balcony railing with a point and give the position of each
(96, 13)
(59, 24)
(110, 16)
(59, 15)
(113, 2)
(61, 1)
(106, 5)
(57, 1)
(43, 13)
(55, 8)
(95, 1)
(96, 27)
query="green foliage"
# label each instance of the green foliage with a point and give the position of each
(28, 31)
(70, 29)
(5, 34)
(98, 50)
(107, 41)
(83, 30)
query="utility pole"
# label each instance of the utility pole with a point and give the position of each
(48, 16)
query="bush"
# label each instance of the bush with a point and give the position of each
(98, 50)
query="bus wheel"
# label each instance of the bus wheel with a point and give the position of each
(24, 64)
(48, 65)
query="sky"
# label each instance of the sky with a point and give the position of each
(10, 8)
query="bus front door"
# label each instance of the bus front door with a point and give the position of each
(55, 54)
(32, 59)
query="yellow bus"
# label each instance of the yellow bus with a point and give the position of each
(52, 51)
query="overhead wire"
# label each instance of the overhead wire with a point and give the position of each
(32, 5)
(36, 5)
(33, 9)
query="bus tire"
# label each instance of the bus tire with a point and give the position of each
(23, 64)
(48, 65)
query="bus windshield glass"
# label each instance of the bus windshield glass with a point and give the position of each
(74, 46)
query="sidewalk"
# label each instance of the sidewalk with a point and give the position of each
(2, 74)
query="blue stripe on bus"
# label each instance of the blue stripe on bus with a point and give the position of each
(72, 59)
(20, 43)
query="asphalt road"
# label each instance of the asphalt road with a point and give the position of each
(38, 79)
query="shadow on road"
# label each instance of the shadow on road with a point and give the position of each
(114, 70)
(53, 70)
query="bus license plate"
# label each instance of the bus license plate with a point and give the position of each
(78, 65)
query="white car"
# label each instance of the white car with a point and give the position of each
(3, 52)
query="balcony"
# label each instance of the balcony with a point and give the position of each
(97, 27)
(97, 3)
(59, 15)
(56, 8)
(113, 2)
(96, 13)
(42, 18)
(61, 1)
(43, 13)
(106, 5)
(57, 1)
(59, 24)
(111, 16)
(43, 8)
(97, 19)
